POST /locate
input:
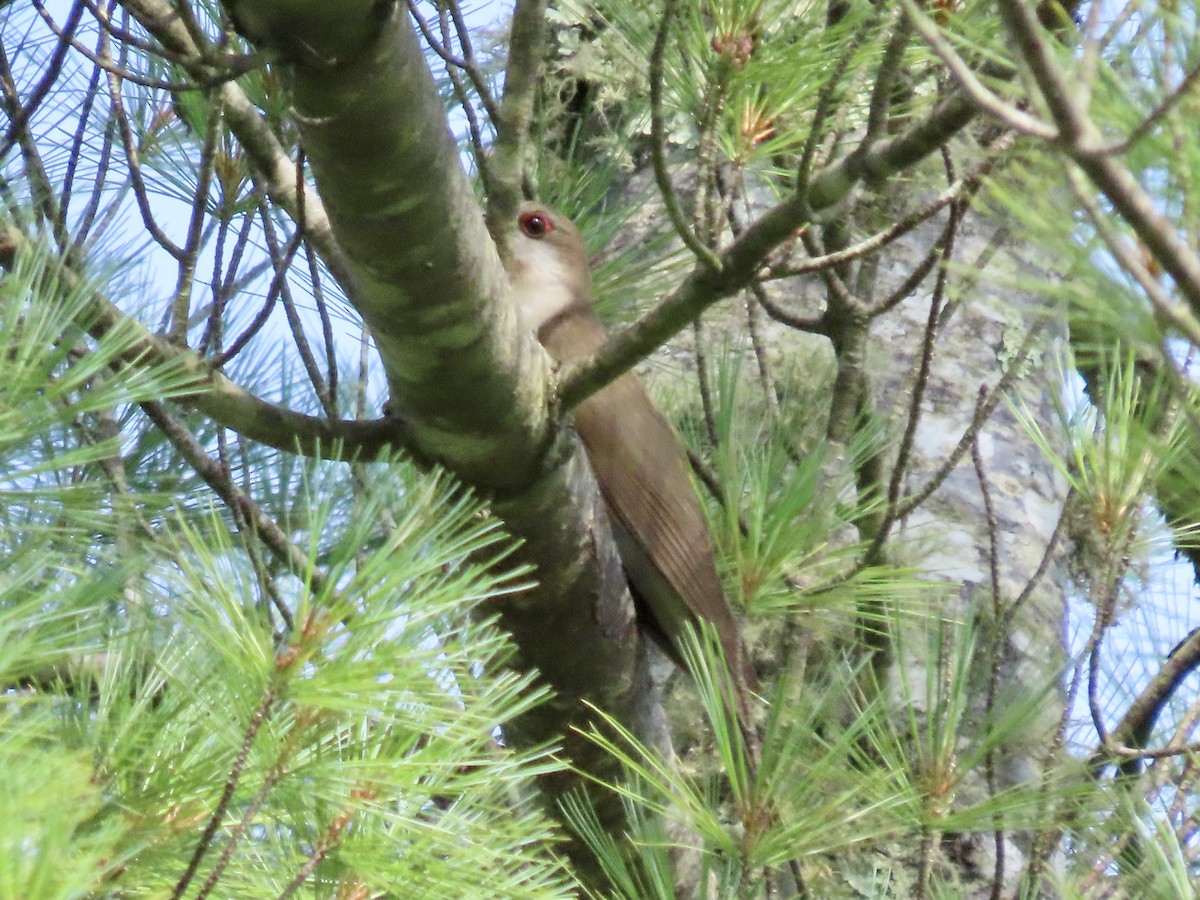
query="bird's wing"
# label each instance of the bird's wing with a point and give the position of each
(644, 476)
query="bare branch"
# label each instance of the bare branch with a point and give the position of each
(19, 118)
(229, 404)
(1083, 142)
(827, 98)
(255, 135)
(231, 781)
(980, 95)
(658, 145)
(885, 81)
(743, 260)
(516, 113)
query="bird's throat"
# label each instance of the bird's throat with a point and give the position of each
(545, 286)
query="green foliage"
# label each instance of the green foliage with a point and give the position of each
(1114, 460)
(777, 534)
(187, 712)
(745, 74)
(835, 780)
(156, 715)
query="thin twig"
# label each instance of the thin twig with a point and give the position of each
(996, 646)
(220, 480)
(223, 400)
(254, 134)
(885, 80)
(1135, 725)
(703, 385)
(507, 165)
(318, 295)
(918, 392)
(809, 324)
(233, 68)
(919, 273)
(84, 221)
(295, 326)
(178, 330)
(980, 94)
(658, 144)
(827, 97)
(133, 163)
(1106, 584)
(43, 195)
(960, 189)
(86, 108)
(231, 781)
(840, 294)
(264, 313)
(1082, 141)
(474, 131)
(757, 344)
(984, 408)
(239, 830)
(1164, 304)
(743, 259)
(328, 840)
(223, 275)
(54, 66)
(478, 81)
(127, 38)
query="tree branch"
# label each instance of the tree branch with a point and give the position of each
(516, 112)
(227, 402)
(1082, 140)
(279, 173)
(742, 260)
(472, 382)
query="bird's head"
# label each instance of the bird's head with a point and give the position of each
(549, 270)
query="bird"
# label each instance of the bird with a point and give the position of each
(639, 462)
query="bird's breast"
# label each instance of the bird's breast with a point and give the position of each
(544, 285)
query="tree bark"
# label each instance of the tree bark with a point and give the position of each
(473, 387)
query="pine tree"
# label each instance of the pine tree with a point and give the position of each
(310, 588)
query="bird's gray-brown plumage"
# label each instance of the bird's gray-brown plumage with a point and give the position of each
(639, 462)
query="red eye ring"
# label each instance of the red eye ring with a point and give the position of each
(535, 224)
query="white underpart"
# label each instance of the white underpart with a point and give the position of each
(542, 285)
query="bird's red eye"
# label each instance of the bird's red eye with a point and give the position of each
(535, 224)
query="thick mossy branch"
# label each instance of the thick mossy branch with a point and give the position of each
(472, 384)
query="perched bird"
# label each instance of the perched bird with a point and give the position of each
(639, 462)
